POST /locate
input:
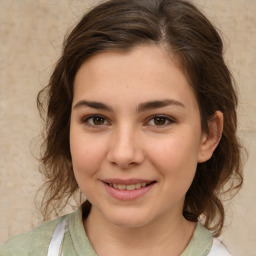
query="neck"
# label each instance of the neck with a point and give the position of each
(168, 235)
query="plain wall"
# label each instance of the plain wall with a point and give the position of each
(31, 35)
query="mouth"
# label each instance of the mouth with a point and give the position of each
(130, 187)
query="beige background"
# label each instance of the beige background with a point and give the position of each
(31, 34)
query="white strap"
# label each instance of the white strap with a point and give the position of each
(57, 238)
(218, 249)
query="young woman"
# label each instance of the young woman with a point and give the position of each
(141, 118)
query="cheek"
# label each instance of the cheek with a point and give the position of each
(87, 154)
(176, 158)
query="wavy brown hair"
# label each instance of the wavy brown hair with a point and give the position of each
(194, 43)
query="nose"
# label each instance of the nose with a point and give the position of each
(125, 150)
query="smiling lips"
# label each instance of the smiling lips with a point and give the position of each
(128, 189)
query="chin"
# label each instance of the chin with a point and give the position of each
(129, 219)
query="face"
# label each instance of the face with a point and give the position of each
(135, 135)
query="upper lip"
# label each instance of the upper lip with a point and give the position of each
(127, 181)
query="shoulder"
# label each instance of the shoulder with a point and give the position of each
(28, 243)
(218, 249)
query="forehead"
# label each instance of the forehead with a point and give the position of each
(145, 71)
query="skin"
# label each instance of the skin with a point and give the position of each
(126, 142)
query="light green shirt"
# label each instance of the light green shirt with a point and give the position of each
(76, 242)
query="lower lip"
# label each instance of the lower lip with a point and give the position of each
(128, 194)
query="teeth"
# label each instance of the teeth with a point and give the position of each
(138, 185)
(130, 186)
(121, 186)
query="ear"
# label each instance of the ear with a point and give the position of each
(211, 139)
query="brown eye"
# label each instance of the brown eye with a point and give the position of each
(158, 120)
(98, 120)
(95, 120)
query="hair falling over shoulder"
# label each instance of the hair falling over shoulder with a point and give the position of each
(186, 34)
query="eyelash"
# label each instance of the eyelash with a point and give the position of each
(86, 120)
(167, 121)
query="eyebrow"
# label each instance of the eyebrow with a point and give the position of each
(93, 104)
(148, 105)
(158, 104)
